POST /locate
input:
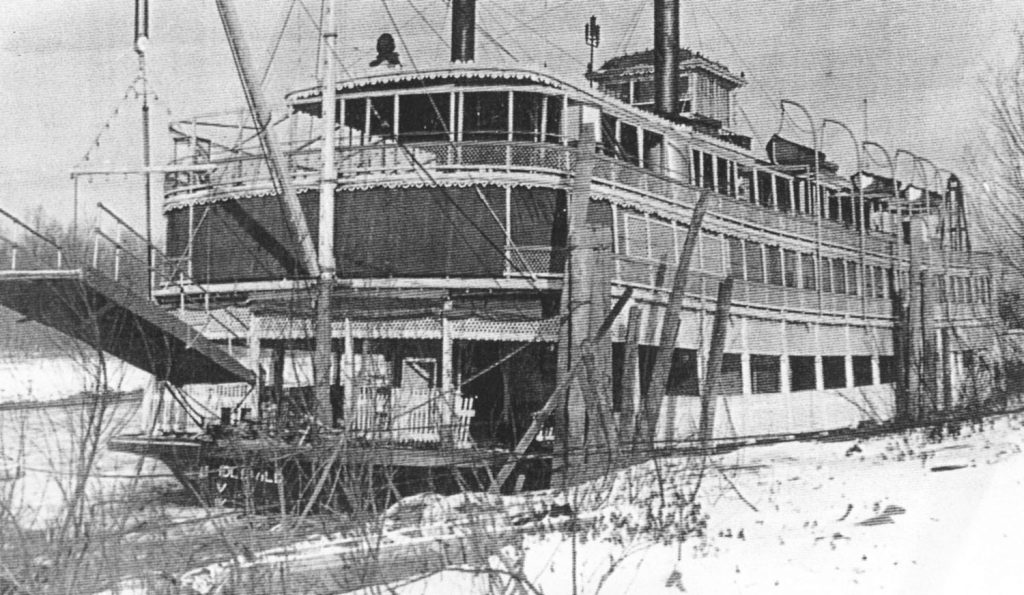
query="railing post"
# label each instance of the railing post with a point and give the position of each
(60, 258)
(14, 258)
(96, 249)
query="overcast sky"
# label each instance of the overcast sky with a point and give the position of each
(65, 66)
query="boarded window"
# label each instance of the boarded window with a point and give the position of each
(663, 242)
(791, 265)
(629, 143)
(801, 372)
(730, 380)
(783, 198)
(682, 376)
(773, 262)
(826, 275)
(852, 285)
(755, 262)
(764, 373)
(839, 275)
(834, 371)
(862, 370)
(637, 241)
(810, 280)
(736, 257)
(887, 369)
(711, 254)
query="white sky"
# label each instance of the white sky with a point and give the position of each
(65, 65)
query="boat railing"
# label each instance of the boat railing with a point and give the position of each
(667, 186)
(386, 163)
(424, 416)
(657, 275)
(534, 261)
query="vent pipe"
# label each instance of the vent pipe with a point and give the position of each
(666, 57)
(463, 30)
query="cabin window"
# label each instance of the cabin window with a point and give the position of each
(682, 376)
(725, 185)
(355, 118)
(619, 91)
(711, 254)
(382, 117)
(730, 380)
(880, 289)
(629, 143)
(810, 279)
(852, 285)
(773, 261)
(801, 372)
(764, 188)
(862, 370)
(745, 190)
(424, 118)
(755, 262)
(663, 242)
(637, 241)
(554, 124)
(609, 135)
(833, 204)
(485, 116)
(736, 258)
(527, 116)
(848, 210)
(764, 373)
(684, 84)
(826, 275)
(707, 174)
(643, 91)
(887, 369)
(782, 195)
(654, 151)
(839, 275)
(791, 264)
(834, 371)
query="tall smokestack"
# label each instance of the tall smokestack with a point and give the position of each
(666, 56)
(463, 30)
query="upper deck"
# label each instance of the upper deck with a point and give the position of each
(463, 172)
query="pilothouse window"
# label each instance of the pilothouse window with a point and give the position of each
(527, 116)
(485, 116)
(424, 118)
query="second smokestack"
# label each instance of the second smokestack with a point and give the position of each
(463, 30)
(666, 57)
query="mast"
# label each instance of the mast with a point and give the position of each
(327, 263)
(262, 119)
(141, 41)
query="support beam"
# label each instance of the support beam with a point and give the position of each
(709, 394)
(672, 320)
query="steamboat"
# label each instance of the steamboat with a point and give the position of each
(486, 276)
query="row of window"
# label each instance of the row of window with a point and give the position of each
(966, 290)
(771, 190)
(471, 116)
(630, 143)
(765, 372)
(641, 91)
(653, 239)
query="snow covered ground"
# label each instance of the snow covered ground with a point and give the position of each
(895, 514)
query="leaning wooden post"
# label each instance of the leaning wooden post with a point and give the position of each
(555, 400)
(709, 393)
(672, 320)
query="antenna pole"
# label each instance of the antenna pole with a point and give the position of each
(141, 41)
